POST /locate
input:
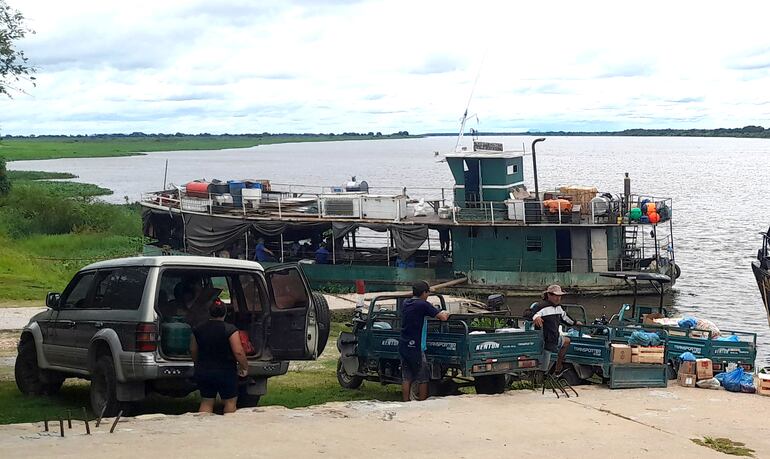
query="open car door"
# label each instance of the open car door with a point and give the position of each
(293, 333)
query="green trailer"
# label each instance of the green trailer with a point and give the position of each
(733, 347)
(468, 349)
(590, 354)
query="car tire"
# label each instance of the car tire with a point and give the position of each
(26, 372)
(488, 385)
(103, 391)
(347, 381)
(323, 319)
(247, 400)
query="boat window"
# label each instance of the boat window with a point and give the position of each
(534, 244)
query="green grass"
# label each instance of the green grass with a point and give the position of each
(38, 175)
(306, 384)
(31, 267)
(725, 445)
(87, 147)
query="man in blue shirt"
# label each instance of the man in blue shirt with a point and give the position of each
(411, 346)
(322, 255)
(262, 253)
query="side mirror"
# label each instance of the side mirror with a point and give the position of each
(52, 300)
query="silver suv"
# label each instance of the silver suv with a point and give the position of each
(125, 325)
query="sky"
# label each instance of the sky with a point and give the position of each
(305, 66)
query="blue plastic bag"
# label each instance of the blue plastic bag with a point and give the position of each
(733, 338)
(640, 338)
(687, 322)
(687, 357)
(737, 381)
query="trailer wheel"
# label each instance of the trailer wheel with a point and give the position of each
(493, 384)
(347, 381)
(570, 375)
(323, 319)
(671, 372)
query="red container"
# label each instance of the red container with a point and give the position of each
(197, 189)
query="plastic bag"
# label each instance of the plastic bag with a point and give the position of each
(737, 381)
(687, 357)
(688, 322)
(640, 338)
(733, 338)
(711, 383)
(421, 209)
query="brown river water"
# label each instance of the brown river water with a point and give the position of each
(719, 188)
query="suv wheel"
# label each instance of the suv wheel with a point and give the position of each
(103, 388)
(30, 379)
(323, 319)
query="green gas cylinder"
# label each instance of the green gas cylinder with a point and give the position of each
(175, 337)
(635, 214)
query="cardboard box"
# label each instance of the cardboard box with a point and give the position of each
(621, 353)
(687, 380)
(648, 354)
(704, 370)
(687, 367)
(648, 319)
(762, 383)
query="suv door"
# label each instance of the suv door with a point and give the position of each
(293, 332)
(59, 339)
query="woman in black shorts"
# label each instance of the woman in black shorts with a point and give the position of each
(216, 347)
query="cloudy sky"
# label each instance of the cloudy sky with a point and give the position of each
(243, 66)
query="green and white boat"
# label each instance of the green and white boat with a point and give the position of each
(502, 237)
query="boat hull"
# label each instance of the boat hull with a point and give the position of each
(762, 277)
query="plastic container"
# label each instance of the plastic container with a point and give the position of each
(197, 189)
(175, 337)
(218, 187)
(251, 196)
(236, 188)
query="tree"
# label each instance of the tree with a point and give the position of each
(14, 64)
(5, 184)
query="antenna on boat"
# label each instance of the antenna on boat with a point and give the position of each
(470, 97)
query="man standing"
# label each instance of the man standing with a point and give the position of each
(444, 240)
(262, 253)
(412, 345)
(548, 315)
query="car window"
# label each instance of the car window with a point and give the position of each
(120, 288)
(252, 292)
(288, 289)
(76, 293)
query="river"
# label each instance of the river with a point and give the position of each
(718, 186)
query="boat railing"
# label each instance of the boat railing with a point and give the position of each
(302, 201)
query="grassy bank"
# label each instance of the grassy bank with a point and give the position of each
(49, 230)
(306, 384)
(15, 149)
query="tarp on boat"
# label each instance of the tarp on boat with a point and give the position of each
(206, 234)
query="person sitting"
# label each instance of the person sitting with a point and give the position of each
(547, 315)
(322, 255)
(262, 253)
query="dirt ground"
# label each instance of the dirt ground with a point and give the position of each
(649, 423)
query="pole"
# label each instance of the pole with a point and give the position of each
(165, 176)
(534, 165)
(281, 247)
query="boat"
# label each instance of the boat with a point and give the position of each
(487, 232)
(761, 268)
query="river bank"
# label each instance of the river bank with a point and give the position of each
(635, 423)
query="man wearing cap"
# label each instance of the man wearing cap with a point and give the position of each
(548, 315)
(412, 343)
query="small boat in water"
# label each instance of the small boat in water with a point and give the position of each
(487, 229)
(761, 268)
